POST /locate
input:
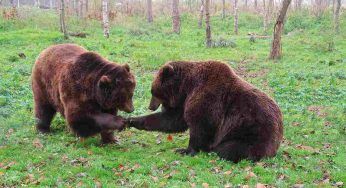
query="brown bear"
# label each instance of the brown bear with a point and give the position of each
(224, 113)
(84, 88)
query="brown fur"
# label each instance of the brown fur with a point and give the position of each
(224, 113)
(83, 87)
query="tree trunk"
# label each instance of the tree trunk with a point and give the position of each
(62, 19)
(201, 13)
(105, 20)
(18, 3)
(276, 50)
(265, 17)
(236, 17)
(255, 4)
(37, 3)
(207, 24)
(336, 16)
(50, 4)
(149, 11)
(223, 9)
(176, 16)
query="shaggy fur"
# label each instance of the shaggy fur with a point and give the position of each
(84, 88)
(224, 113)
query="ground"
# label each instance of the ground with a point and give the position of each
(309, 84)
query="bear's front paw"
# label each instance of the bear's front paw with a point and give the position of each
(132, 122)
(120, 123)
(187, 151)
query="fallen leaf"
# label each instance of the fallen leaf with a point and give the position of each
(193, 185)
(245, 186)
(228, 172)
(2, 173)
(250, 175)
(9, 133)
(298, 185)
(98, 184)
(121, 167)
(3, 166)
(248, 168)
(205, 185)
(192, 173)
(156, 179)
(339, 184)
(295, 124)
(282, 176)
(80, 175)
(260, 185)
(170, 138)
(307, 148)
(228, 185)
(90, 152)
(37, 143)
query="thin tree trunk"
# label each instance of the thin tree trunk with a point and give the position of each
(149, 11)
(336, 16)
(37, 3)
(255, 4)
(105, 20)
(62, 19)
(176, 16)
(201, 13)
(276, 50)
(207, 24)
(265, 17)
(223, 9)
(50, 4)
(18, 3)
(236, 17)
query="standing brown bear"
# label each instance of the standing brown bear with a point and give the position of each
(224, 113)
(83, 87)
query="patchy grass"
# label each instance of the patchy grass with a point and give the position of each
(308, 84)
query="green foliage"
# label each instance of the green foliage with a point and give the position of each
(308, 84)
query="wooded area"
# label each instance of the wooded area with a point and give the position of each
(110, 10)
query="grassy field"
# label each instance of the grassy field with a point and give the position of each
(309, 84)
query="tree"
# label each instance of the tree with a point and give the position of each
(265, 17)
(149, 11)
(105, 20)
(336, 16)
(276, 50)
(223, 9)
(176, 16)
(37, 3)
(298, 4)
(51, 4)
(201, 13)
(255, 4)
(235, 17)
(62, 19)
(207, 24)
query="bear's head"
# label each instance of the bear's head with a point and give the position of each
(166, 88)
(115, 89)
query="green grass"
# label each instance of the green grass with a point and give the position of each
(308, 83)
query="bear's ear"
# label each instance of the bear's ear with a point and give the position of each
(104, 81)
(167, 70)
(127, 67)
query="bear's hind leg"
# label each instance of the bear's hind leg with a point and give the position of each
(44, 114)
(233, 150)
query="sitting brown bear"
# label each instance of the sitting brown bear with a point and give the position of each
(224, 113)
(84, 88)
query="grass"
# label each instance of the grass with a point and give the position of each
(308, 83)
